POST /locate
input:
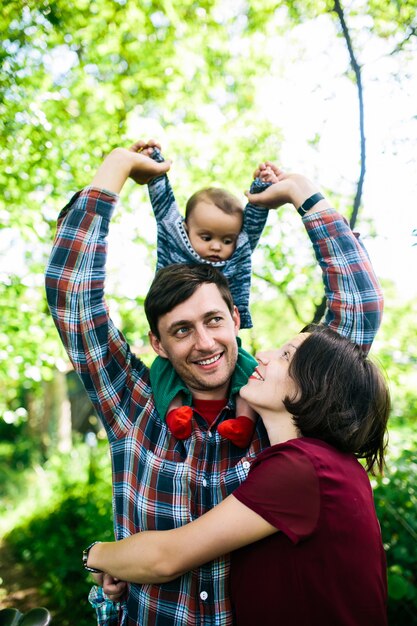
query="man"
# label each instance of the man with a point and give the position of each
(160, 482)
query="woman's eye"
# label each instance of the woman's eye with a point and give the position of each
(286, 355)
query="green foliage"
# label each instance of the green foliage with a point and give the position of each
(28, 341)
(396, 504)
(72, 510)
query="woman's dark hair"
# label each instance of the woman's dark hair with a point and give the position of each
(176, 283)
(224, 200)
(343, 398)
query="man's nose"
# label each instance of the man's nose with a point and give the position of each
(204, 340)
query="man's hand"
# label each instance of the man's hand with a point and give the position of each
(114, 588)
(143, 168)
(124, 163)
(293, 188)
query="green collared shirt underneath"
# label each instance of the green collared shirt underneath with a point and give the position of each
(166, 384)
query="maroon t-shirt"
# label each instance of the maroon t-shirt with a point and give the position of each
(327, 566)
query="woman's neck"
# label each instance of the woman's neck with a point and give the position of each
(279, 426)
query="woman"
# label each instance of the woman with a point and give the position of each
(303, 528)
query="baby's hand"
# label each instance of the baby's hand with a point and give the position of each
(293, 188)
(269, 172)
(145, 147)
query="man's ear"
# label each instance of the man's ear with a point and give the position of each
(236, 319)
(156, 345)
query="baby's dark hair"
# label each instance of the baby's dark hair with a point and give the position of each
(224, 200)
(343, 398)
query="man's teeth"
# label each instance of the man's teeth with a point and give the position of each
(213, 359)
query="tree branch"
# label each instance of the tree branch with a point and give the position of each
(338, 9)
(357, 71)
(401, 45)
(281, 289)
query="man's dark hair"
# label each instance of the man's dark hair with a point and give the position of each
(343, 398)
(176, 283)
(224, 200)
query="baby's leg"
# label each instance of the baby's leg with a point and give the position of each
(239, 430)
(178, 418)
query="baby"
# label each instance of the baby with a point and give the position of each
(218, 230)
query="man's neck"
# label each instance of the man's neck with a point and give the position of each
(209, 409)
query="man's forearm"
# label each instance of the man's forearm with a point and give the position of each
(354, 296)
(114, 171)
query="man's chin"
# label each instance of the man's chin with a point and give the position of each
(209, 383)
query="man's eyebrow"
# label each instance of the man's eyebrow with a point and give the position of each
(180, 323)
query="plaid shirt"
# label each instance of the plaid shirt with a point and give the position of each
(160, 482)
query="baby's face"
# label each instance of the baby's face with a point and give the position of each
(212, 233)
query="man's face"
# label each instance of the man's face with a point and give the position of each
(199, 338)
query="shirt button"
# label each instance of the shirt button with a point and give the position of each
(246, 465)
(204, 595)
(209, 434)
(204, 482)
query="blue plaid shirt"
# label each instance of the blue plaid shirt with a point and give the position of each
(160, 482)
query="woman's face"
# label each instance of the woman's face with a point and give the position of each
(270, 383)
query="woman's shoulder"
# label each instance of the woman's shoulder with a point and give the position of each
(319, 453)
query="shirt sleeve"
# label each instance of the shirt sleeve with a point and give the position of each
(353, 294)
(75, 293)
(284, 490)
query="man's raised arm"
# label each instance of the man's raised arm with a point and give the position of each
(75, 284)
(354, 297)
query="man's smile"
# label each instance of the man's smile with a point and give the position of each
(210, 360)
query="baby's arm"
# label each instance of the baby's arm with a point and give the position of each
(160, 191)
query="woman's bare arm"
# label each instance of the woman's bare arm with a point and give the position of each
(160, 556)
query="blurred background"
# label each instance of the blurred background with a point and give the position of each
(324, 87)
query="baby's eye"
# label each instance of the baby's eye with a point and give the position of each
(205, 237)
(228, 241)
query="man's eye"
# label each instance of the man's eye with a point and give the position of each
(180, 332)
(215, 320)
